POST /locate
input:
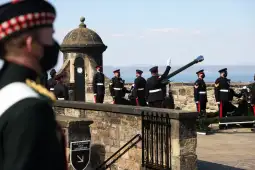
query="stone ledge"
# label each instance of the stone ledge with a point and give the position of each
(123, 109)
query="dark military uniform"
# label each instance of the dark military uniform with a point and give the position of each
(60, 89)
(30, 137)
(252, 89)
(139, 90)
(221, 92)
(99, 87)
(52, 82)
(43, 79)
(154, 92)
(169, 99)
(33, 146)
(118, 90)
(200, 94)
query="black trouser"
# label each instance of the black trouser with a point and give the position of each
(141, 102)
(100, 98)
(201, 106)
(157, 104)
(223, 107)
(121, 100)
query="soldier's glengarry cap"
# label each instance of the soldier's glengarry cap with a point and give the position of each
(19, 16)
(116, 71)
(223, 70)
(200, 71)
(139, 71)
(154, 69)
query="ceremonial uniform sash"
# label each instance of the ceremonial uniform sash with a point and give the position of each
(13, 93)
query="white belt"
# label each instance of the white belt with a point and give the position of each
(223, 90)
(140, 89)
(61, 98)
(117, 88)
(51, 89)
(100, 84)
(154, 91)
(202, 92)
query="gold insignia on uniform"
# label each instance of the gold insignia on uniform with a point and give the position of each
(40, 89)
(216, 85)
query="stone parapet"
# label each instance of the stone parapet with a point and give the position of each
(114, 125)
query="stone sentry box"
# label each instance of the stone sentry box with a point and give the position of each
(82, 50)
(114, 125)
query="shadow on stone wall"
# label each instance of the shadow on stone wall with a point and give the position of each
(97, 155)
(204, 165)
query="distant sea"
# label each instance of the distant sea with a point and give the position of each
(235, 73)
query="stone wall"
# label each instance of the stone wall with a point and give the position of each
(114, 125)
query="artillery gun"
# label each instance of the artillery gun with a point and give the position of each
(243, 114)
(169, 100)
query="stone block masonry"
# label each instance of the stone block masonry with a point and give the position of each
(114, 125)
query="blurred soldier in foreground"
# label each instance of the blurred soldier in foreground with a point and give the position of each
(139, 89)
(117, 89)
(200, 95)
(98, 85)
(52, 82)
(30, 137)
(221, 92)
(154, 89)
(60, 89)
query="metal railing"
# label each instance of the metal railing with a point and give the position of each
(112, 159)
(156, 137)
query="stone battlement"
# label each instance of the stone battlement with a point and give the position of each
(114, 125)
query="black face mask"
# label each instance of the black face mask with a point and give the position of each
(50, 57)
(225, 74)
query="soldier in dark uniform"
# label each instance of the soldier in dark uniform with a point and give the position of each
(52, 82)
(221, 92)
(200, 95)
(117, 89)
(139, 89)
(251, 88)
(30, 137)
(98, 85)
(154, 89)
(60, 89)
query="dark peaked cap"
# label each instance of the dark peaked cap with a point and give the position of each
(223, 70)
(115, 71)
(19, 16)
(200, 71)
(139, 71)
(154, 69)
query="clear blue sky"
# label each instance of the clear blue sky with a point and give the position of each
(148, 32)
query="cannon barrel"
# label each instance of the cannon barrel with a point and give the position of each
(197, 60)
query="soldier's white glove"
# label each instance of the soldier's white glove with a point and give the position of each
(169, 62)
(218, 102)
(197, 101)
